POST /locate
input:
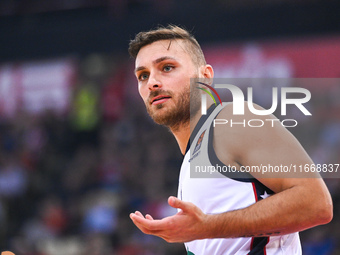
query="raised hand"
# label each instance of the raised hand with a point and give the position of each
(187, 225)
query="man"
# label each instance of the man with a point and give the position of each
(225, 215)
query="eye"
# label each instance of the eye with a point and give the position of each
(143, 76)
(167, 68)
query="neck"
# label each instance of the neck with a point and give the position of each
(182, 132)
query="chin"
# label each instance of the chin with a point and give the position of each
(161, 116)
(158, 109)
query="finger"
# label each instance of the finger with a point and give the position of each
(177, 203)
(134, 215)
(151, 225)
(149, 217)
(139, 214)
(143, 225)
(137, 219)
(148, 231)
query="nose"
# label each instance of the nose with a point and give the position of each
(154, 83)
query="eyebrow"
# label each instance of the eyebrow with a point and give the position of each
(158, 60)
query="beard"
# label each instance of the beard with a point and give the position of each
(187, 104)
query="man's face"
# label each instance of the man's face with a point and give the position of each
(163, 71)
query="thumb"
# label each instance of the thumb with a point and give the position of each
(177, 203)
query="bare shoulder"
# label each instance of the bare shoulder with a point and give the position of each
(245, 129)
(235, 134)
(244, 137)
(257, 140)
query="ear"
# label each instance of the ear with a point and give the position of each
(208, 71)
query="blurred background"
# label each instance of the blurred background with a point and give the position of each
(78, 152)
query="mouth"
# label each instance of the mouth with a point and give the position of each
(160, 99)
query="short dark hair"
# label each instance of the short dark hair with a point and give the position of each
(168, 33)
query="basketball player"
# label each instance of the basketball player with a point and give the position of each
(226, 215)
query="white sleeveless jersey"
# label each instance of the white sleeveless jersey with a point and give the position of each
(222, 192)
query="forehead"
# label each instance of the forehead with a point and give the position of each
(176, 49)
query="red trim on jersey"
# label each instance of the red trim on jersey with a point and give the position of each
(254, 189)
(252, 243)
(255, 194)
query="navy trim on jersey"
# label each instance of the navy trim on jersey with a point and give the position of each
(260, 189)
(214, 160)
(258, 246)
(199, 125)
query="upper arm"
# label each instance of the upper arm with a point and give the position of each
(270, 145)
(275, 146)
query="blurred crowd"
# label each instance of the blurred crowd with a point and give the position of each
(69, 181)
